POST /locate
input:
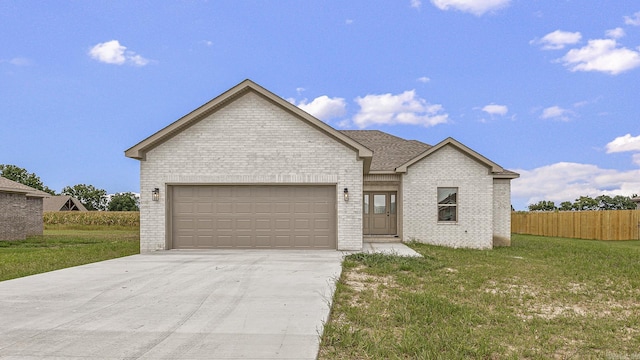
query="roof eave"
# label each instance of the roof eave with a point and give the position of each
(506, 176)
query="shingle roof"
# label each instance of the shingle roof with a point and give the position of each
(57, 203)
(11, 186)
(389, 151)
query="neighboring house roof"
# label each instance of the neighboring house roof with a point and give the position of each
(496, 170)
(389, 152)
(62, 203)
(139, 150)
(10, 186)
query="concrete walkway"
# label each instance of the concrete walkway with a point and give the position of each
(223, 304)
(399, 249)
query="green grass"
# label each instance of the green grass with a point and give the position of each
(62, 248)
(541, 298)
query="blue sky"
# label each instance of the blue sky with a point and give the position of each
(547, 88)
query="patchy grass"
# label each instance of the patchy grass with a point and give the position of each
(58, 249)
(542, 298)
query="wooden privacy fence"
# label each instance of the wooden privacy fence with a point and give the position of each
(593, 225)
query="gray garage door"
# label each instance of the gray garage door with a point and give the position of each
(291, 216)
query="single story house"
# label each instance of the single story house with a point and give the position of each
(250, 170)
(62, 203)
(20, 210)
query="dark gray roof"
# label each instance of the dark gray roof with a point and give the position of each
(389, 151)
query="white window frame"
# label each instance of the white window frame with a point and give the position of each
(448, 205)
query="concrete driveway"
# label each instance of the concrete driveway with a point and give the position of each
(218, 304)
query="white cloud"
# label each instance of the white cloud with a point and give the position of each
(494, 109)
(424, 79)
(616, 33)
(633, 20)
(20, 61)
(558, 39)
(556, 113)
(476, 7)
(624, 143)
(112, 52)
(324, 107)
(405, 108)
(416, 4)
(602, 55)
(567, 181)
(636, 159)
(348, 21)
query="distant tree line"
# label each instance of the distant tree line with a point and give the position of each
(584, 203)
(92, 198)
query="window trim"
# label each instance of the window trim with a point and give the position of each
(455, 206)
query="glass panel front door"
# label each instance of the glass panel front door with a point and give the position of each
(379, 213)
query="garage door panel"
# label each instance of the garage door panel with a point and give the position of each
(282, 224)
(206, 224)
(224, 224)
(263, 208)
(281, 208)
(291, 216)
(320, 224)
(302, 224)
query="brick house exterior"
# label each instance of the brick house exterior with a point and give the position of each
(209, 180)
(20, 211)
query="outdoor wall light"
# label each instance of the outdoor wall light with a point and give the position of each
(346, 194)
(155, 194)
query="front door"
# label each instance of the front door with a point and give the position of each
(379, 213)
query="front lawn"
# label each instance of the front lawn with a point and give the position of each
(542, 298)
(58, 249)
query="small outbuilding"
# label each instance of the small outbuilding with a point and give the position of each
(20, 210)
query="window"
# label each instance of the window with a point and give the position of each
(447, 204)
(379, 203)
(366, 203)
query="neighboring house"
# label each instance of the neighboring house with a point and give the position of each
(250, 170)
(62, 203)
(637, 201)
(20, 210)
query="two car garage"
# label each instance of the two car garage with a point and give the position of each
(253, 216)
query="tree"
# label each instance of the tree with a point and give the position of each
(584, 203)
(18, 174)
(605, 202)
(624, 202)
(89, 196)
(566, 206)
(543, 205)
(124, 202)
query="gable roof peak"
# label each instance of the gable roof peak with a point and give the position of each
(139, 150)
(494, 169)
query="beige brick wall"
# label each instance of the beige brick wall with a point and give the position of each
(251, 141)
(33, 216)
(501, 212)
(448, 167)
(13, 209)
